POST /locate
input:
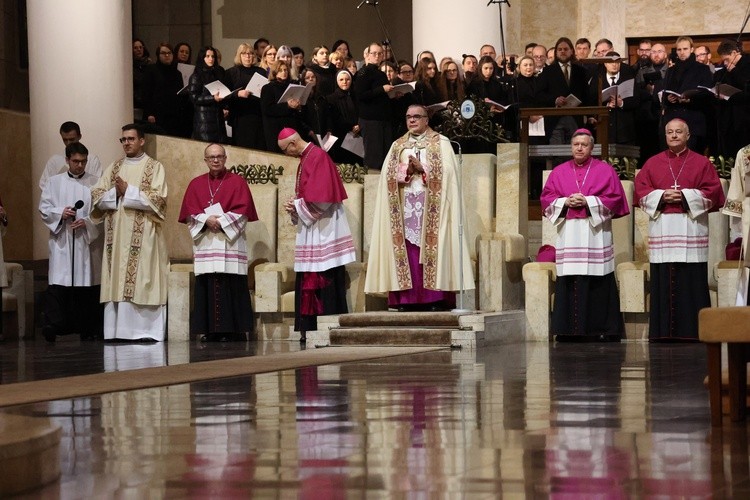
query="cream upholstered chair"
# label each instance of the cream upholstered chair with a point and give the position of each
(274, 280)
(14, 299)
(540, 277)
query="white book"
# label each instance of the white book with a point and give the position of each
(186, 70)
(571, 102)
(721, 90)
(256, 83)
(327, 142)
(536, 129)
(217, 86)
(214, 209)
(354, 144)
(439, 106)
(294, 91)
(624, 90)
(495, 103)
(402, 88)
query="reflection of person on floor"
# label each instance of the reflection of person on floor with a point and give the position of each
(75, 250)
(132, 198)
(324, 241)
(581, 197)
(3, 277)
(414, 249)
(216, 207)
(677, 189)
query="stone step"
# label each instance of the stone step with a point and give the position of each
(390, 336)
(445, 319)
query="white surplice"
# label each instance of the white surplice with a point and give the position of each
(62, 191)
(584, 245)
(677, 237)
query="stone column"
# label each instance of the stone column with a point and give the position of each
(449, 28)
(80, 69)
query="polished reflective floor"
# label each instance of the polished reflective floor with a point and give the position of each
(533, 420)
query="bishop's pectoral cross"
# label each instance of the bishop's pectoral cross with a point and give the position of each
(675, 186)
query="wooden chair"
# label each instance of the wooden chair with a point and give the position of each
(731, 326)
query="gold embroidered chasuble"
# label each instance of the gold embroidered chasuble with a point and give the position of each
(135, 261)
(388, 265)
(738, 197)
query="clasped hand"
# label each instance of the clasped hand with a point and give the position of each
(672, 196)
(415, 166)
(120, 186)
(213, 223)
(291, 210)
(575, 200)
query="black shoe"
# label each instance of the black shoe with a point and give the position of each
(609, 338)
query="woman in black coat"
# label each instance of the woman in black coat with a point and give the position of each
(315, 112)
(324, 71)
(161, 102)
(277, 116)
(426, 90)
(344, 118)
(208, 118)
(245, 115)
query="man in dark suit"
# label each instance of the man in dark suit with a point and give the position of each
(560, 79)
(734, 113)
(621, 109)
(687, 75)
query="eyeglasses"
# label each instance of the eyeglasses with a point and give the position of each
(79, 162)
(373, 53)
(406, 72)
(701, 54)
(270, 54)
(215, 158)
(165, 53)
(415, 117)
(123, 140)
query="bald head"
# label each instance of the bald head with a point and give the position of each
(658, 53)
(293, 145)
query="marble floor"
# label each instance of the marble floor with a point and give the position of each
(525, 420)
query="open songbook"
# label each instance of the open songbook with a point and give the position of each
(294, 91)
(185, 70)
(722, 90)
(571, 102)
(497, 104)
(217, 86)
(327, 141)
(402, 88)
(256, 83)
(624, 90)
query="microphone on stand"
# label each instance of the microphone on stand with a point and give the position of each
(462, 289)
(363, 2)
(78, 205)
